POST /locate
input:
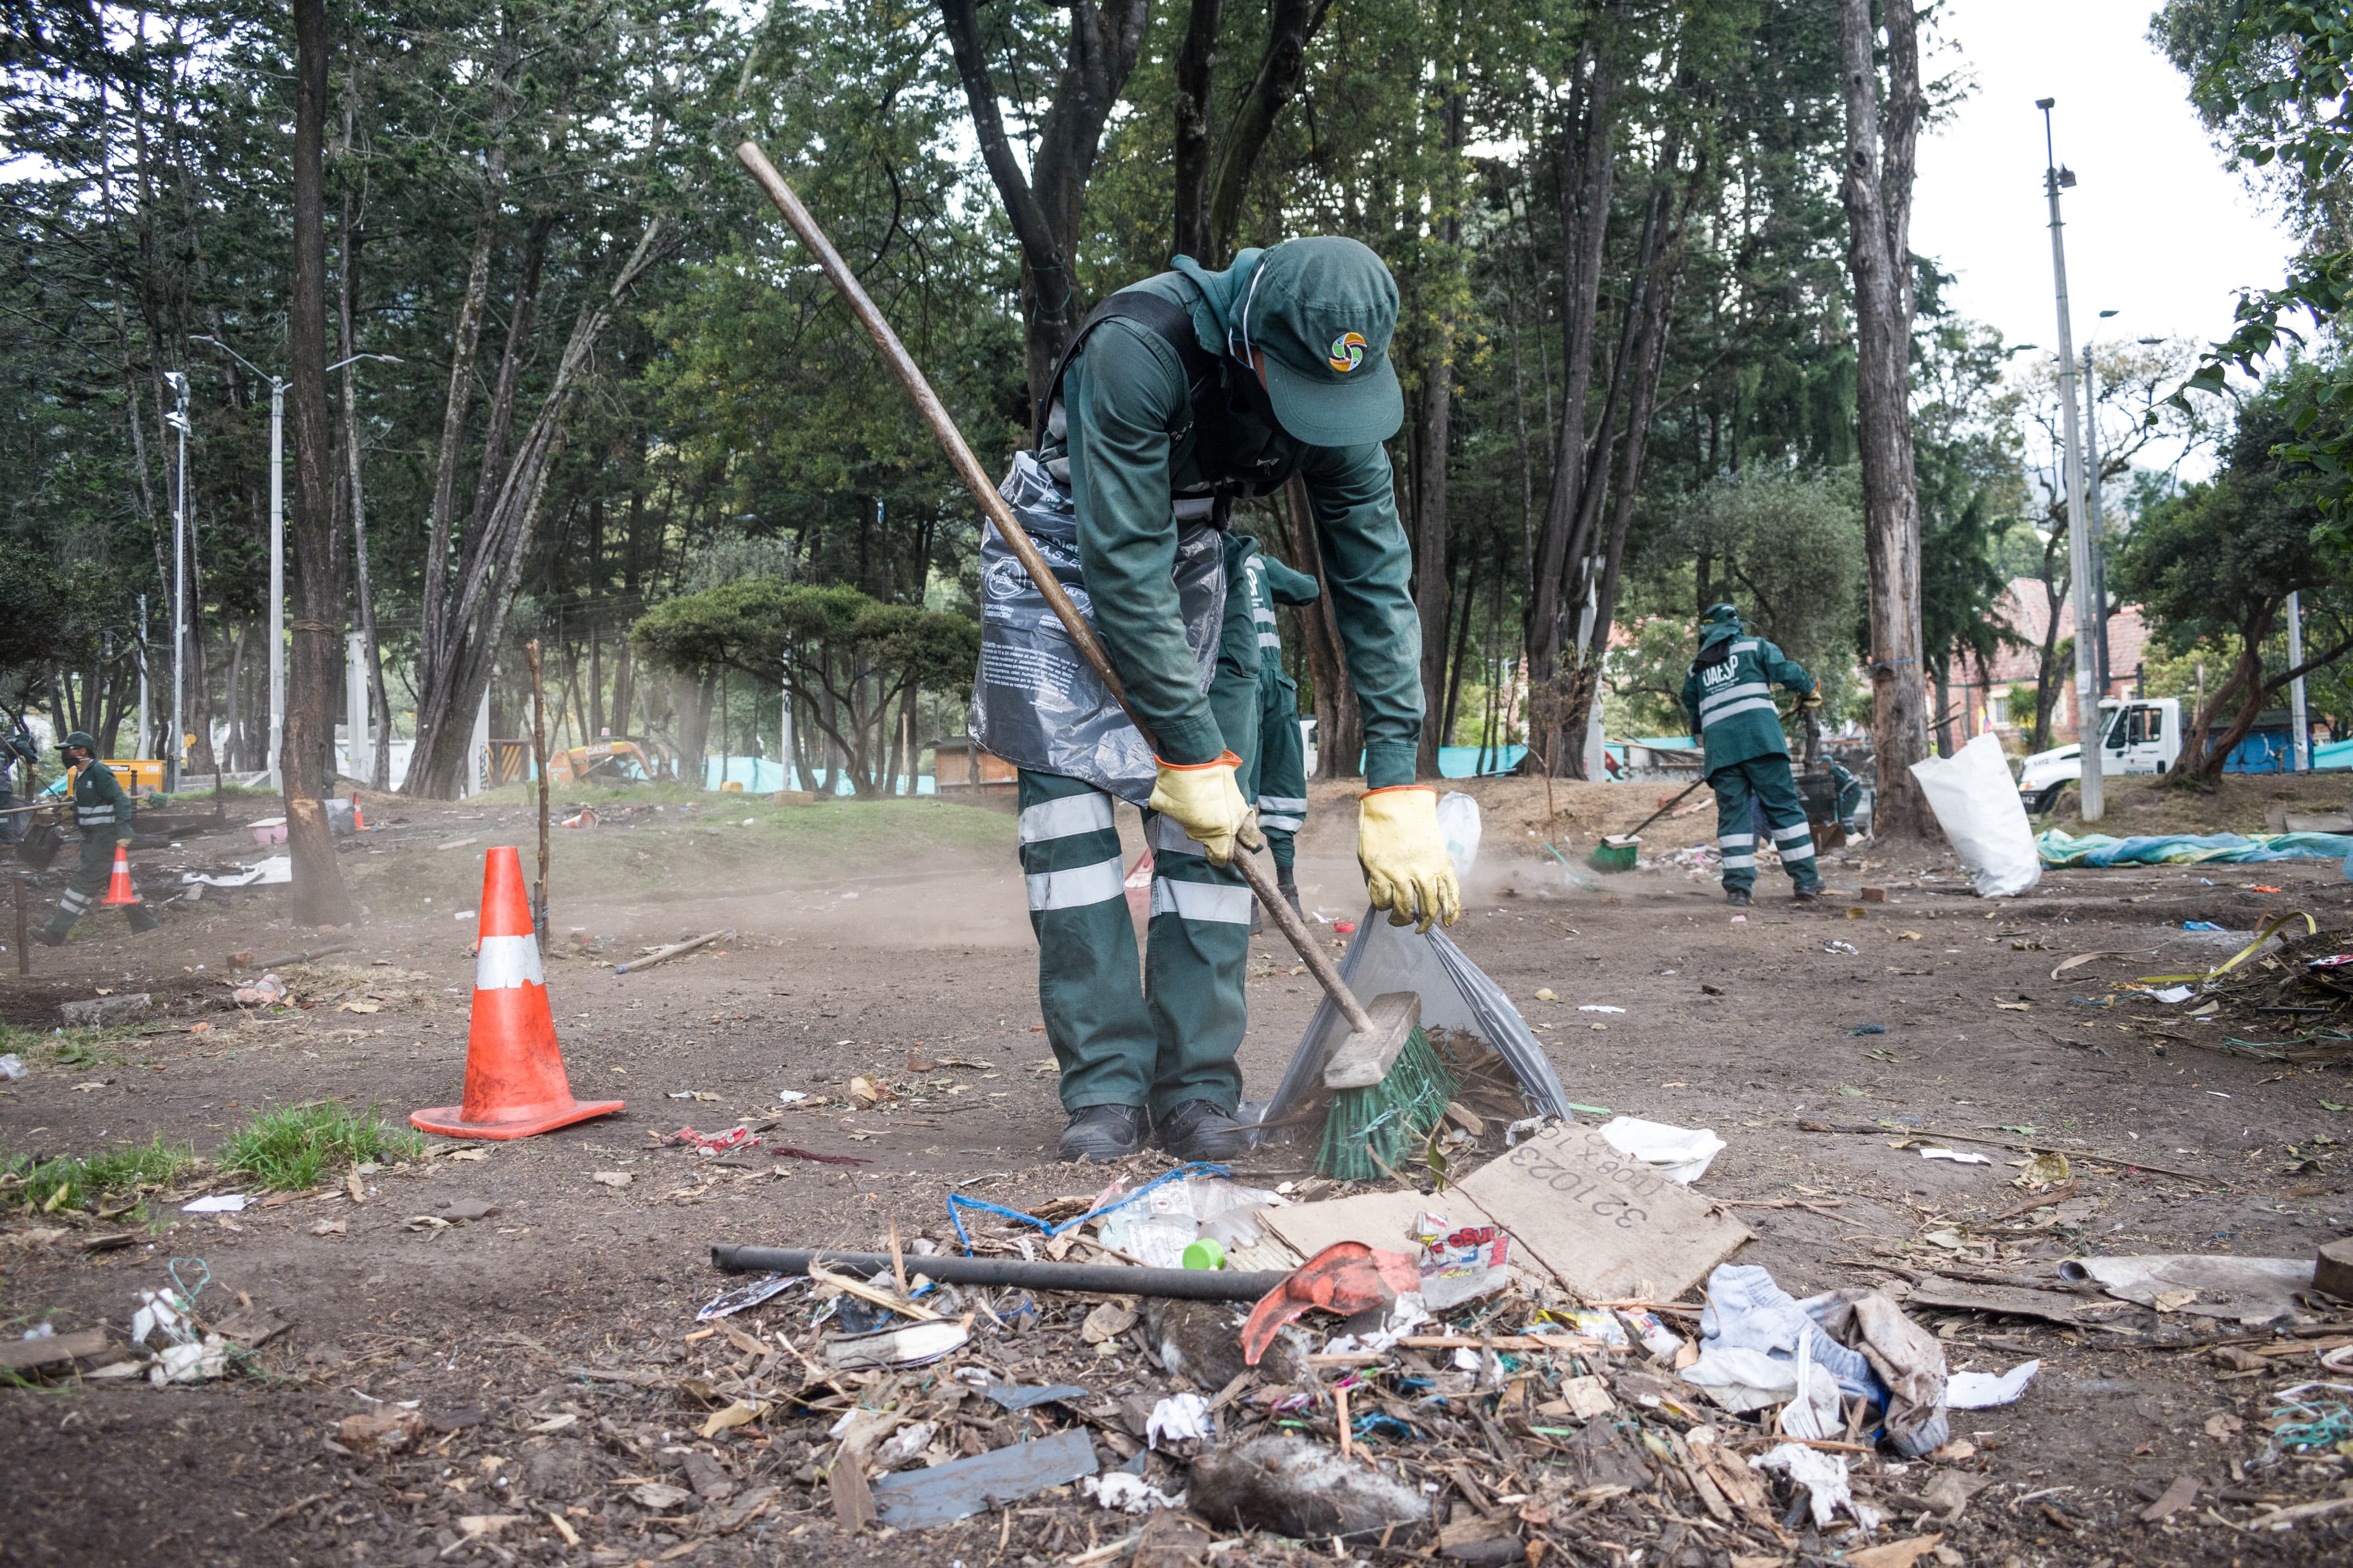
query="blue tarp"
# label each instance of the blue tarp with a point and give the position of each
(2058, 848)
(1462, 761)
(759, 775)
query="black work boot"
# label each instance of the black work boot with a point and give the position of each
(1101, 1133)
(1736, 897)
(1807, 892)
(1197, 1130)
(1289, 889)
(51, 934)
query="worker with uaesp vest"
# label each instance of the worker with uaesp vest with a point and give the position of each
(103, 811)
(1729, 695)
(1178, 396)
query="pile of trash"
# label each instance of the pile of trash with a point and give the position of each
(1480, 1371)
(171, 1339)
(2290, 999)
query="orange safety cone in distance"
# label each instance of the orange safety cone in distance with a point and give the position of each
(359, 818)
(515, 1083)
(118, 890)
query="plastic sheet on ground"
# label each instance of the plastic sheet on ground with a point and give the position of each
(2101, 849)
(1683, 1154)
(2236, 1289)
(1984, 1390)
(261, 874)
(1824, 1478)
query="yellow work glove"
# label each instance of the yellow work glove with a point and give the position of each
(1809, 701)
(1207, 804)
(1407, 868)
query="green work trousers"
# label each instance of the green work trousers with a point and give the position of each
(1167, 1034)
(1280, 787)
(88, 886)
(1765, 782)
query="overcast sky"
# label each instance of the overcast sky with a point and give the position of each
(2155, 229)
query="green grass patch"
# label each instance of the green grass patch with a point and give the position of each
(290, 1149)
(47, 1186)
(69, 1047)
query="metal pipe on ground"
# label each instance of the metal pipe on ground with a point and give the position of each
(1101, 1279)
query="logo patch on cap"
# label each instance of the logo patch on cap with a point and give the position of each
(1347, 352)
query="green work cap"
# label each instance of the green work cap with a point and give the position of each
(1323, 310)
(78, 738)
(1721, 615)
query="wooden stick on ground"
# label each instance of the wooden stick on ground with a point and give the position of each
(673, 951)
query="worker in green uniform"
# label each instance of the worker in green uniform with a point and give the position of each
(1281, 785)
(104, 812)
(1177, 397)
(1848, 797)
(1729, 696)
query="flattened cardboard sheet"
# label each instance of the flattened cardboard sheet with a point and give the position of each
(1608, 1226)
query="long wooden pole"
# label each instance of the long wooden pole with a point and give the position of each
(992, 505)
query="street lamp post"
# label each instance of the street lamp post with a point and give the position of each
(2093, 521)
(2079, 544)
(177, 743)
(278, 548)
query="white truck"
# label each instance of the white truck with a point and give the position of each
(2139, 734)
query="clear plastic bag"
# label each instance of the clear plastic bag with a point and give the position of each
(1035, 702)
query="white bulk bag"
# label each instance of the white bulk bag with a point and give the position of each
(1976, 802)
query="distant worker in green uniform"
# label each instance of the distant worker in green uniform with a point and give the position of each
(1729, 696)
(104, 812)
(1177, 397)
(1280, 786)
(1849, 796)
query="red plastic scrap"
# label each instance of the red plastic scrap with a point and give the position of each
(713, 1143)
(1346, 1278)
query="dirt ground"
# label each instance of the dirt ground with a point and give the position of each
(546, 1344)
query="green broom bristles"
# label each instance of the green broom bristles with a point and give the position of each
(1389, 1119)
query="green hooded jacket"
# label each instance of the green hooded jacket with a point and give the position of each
(1729, 695)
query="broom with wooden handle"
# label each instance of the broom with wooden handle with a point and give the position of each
(1379, 1036)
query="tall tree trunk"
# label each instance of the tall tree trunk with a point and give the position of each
(1339, 725)
(1877, 192)
(1282, 67)
(447, 699)
(1044, 202)
(1432, 430)
(200, 665)
(1588, 162)
(319, 898)
(379, 763)
(1195, 67)
(1466, 593)
(433, 633)
(1642, 360)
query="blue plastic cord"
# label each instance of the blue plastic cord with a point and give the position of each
(957, 1202)
(188, 1294)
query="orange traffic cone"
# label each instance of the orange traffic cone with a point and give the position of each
(359, 818)
(119, 889)
(515, 1084)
